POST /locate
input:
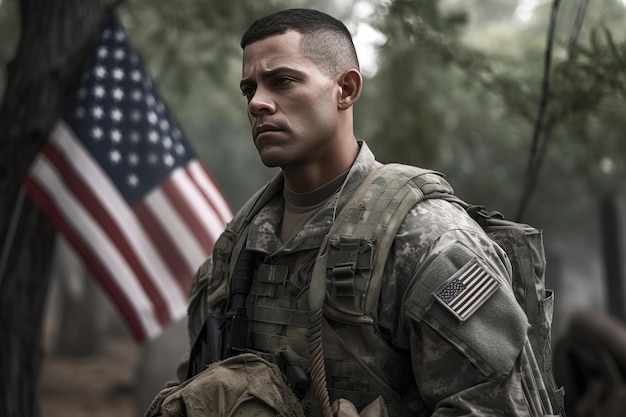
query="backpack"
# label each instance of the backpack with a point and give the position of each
(375, 212)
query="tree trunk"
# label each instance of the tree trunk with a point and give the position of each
(56, 42)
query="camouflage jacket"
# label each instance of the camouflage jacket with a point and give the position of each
(417, 355)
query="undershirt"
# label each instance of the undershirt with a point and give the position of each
(301, 207)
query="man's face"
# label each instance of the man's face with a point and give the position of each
(292, 105)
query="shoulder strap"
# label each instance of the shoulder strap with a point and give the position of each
(400, 187)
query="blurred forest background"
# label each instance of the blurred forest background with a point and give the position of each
(453, 85)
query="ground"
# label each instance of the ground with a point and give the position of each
(99, 385)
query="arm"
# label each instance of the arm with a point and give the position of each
(470, 365)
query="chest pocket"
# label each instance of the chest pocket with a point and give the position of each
(349, 265)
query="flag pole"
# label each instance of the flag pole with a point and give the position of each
(8, 242)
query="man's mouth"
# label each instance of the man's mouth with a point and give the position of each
(265, 127)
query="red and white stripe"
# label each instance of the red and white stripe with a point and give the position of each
(144, 256)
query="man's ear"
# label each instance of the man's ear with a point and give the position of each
(350, 86)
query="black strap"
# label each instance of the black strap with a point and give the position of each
(225, 334)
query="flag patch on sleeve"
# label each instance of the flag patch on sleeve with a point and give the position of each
(464, 292)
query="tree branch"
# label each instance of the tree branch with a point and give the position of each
(540, 135)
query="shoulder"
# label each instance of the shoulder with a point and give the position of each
(431, 220)
(438, 229)
(437, 213)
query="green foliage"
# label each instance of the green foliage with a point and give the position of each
(450, 97)
(408, 118)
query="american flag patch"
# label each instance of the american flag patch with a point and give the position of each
(467, 290)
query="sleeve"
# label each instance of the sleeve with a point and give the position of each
(464, 328)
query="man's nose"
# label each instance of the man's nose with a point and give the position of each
(261, 102)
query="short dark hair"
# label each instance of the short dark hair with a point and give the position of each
(326, 40)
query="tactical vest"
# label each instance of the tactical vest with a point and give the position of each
(349, 268)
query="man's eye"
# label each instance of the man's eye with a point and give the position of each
(281, 82)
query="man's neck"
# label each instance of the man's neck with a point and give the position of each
(303, 179)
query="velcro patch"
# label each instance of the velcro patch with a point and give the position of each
(465, 291)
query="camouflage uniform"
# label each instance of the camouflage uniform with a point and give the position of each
(417, 355)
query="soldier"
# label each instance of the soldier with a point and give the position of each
(417, 355)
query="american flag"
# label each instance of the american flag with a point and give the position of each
(467, 290)
(121, 182)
